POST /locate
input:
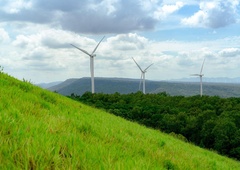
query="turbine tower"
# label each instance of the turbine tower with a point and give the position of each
(142, 75)
(92, 55)
(200, 76)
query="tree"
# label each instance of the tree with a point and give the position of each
(224, 134)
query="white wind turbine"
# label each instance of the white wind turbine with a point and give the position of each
(200, 76)
(142, 75)
(92, 55)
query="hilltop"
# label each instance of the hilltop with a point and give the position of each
(44, 130)
(125, 86)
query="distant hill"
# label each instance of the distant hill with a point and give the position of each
(190, 89)
(48, 85)
(102, 85)
(210, 80)
(125, 85)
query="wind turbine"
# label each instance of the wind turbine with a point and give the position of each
(200, 76)
(142, 75)
(92, 55)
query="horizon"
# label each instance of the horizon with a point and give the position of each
(227, 80)
(175, 35)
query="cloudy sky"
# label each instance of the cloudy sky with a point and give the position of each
(175, 35)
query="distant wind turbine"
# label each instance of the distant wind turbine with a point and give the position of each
(142, 75)
(92, 55)
(200, 76)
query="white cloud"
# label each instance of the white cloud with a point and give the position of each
(150, 4)
(48, 52)
(230, 52)
(4, 37)
(214, 14)
(166, 10)
(108, 5)
(15, 6)
(127, 42)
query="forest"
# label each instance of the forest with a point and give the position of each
(210, 122)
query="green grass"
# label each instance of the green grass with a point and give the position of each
(44, 130)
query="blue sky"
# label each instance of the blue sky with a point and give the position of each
(175, 35)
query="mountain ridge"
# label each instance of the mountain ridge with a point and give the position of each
(235, 80)
(130, 85)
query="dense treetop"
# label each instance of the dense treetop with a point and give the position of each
(208, 121)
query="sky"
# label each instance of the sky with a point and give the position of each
(175, 35)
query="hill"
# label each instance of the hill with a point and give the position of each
(44, 130)
(125, 86)
(235, 80)
(48, 85)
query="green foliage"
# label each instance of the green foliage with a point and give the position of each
(27, 81)
(210, 122)
(43, 130)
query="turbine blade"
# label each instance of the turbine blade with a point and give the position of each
(97, 45)
(81, 49)
(148, 67)
(202, 66)
(137, 65)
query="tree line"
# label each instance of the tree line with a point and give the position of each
(209, 121)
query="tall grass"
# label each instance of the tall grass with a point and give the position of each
(43, 130)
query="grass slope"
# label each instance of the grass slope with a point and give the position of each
(43, 130)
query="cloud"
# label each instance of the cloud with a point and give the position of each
(52, 39)
(50, 50)
(4, 37)
(166, 10)
(27, 41)
(95, 17)
(127, 42)
(230, 52)
(15, 6)
(214, 14)
(89, 17)
(125, 16)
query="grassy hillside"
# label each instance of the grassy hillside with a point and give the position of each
(43, 130)
(125, 86)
